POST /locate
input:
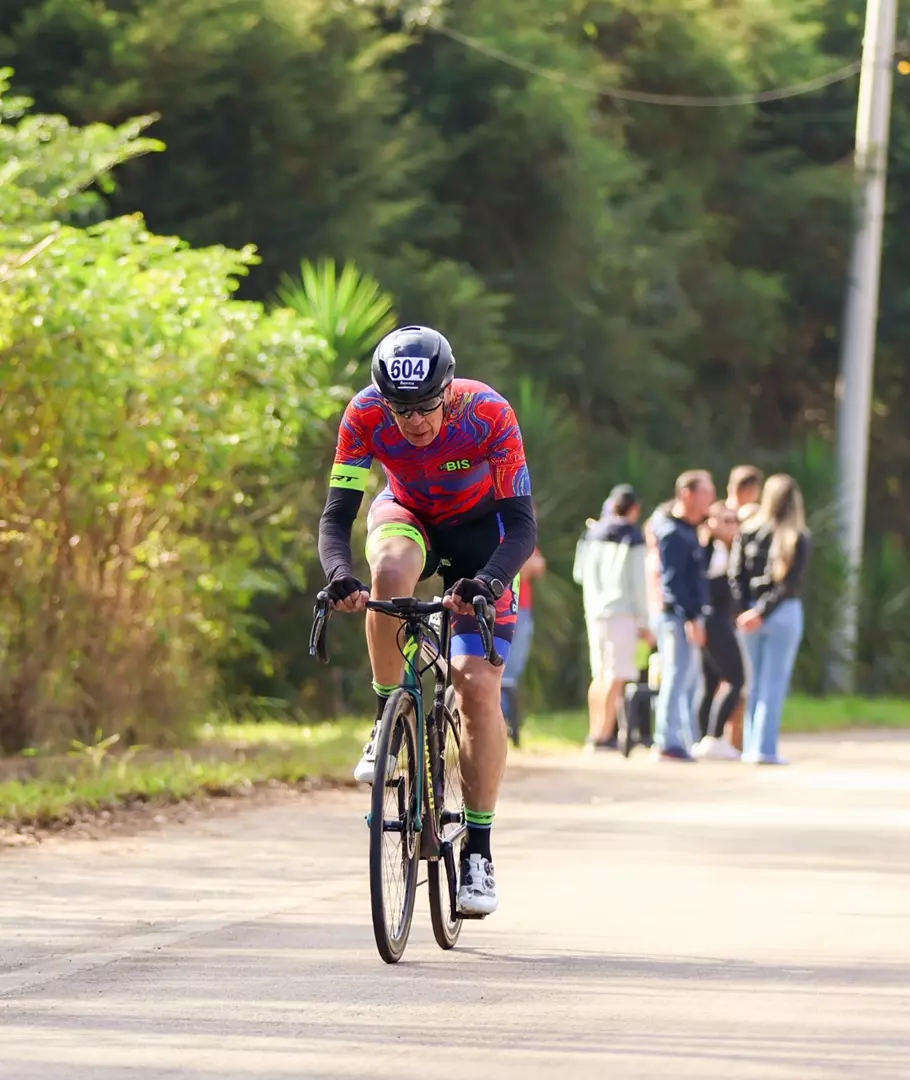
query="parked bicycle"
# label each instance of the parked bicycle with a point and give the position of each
(417, 813)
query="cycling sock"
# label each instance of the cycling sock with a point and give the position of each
(382, 696)
(480, 824)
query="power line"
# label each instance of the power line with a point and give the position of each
(640, 96)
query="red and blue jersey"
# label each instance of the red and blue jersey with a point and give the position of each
(476, 458)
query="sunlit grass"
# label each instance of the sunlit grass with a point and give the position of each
(805, 714)
(228, 759)
(231, 757)
(552, 732)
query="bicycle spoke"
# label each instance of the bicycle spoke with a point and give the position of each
(446, 929)
(454, 800)
(396, 845)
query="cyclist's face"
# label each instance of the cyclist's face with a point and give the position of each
(420, 429)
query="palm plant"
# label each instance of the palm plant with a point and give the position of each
(348, 308)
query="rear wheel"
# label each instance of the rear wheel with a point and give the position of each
(446, 929)
(394, 849)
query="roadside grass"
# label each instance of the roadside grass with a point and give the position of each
(228, 758)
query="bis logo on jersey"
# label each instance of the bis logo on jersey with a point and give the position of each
(455, 466)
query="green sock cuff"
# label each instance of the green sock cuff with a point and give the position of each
(480, 818)
(382, 690)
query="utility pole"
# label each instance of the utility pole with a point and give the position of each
(857, 361)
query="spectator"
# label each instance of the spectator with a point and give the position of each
(652, 569)
(743, 495)
(610, 567)
(722, 662)
(767, 570)
(681, 626)
(744, 490)
(533, 569)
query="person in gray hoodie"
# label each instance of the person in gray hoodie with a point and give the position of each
(610, 567)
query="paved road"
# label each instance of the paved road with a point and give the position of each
(657, 921)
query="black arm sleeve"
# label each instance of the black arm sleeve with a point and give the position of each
(791, 584)
(739, 576)
(518, 541)
(341, 507)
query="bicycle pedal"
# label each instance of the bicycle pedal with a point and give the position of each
(469, 915)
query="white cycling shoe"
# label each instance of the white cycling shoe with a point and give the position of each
(365, 769)
(477, 891)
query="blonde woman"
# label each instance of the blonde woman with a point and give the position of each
(767, 571)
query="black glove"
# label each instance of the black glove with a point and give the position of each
(343, 587)
(467, 588)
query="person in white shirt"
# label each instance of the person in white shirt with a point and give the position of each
(610, 567)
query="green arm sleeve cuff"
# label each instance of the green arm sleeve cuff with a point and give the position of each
(351, 477)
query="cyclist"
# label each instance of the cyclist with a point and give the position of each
(457, 500)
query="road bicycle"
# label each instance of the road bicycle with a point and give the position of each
(417, 811)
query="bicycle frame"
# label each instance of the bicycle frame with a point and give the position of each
(424, 641)
(417, 646)
(414, 615)
(411, 650)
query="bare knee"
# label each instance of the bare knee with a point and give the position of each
(395, 566)
(477, 685)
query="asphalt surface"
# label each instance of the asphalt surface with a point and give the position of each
(656, 921)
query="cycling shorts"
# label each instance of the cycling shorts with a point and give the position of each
(452, 551)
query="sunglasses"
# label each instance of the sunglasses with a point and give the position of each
(423, 409)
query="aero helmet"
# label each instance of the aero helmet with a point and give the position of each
(412, 365)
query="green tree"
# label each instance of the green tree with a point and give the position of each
(673, 275)
(283, 123)
(150, 432)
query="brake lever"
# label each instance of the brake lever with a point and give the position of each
(485, 614)
(321, 613)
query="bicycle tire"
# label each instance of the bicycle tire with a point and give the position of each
(445, 930)
(397, 730)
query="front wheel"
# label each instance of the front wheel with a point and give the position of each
(439, 885)
(394, 848)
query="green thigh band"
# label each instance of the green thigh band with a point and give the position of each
(399, 528)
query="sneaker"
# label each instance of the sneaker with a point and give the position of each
(763, 759)
(713, 749)
(671, 753)
(593, 746)
(477, 891)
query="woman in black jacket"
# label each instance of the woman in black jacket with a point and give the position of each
(723, 675)
(767, 572)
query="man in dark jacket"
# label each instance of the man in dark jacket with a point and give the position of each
(681, 625)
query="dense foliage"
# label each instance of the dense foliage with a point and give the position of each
(656, 286)
(150, 434)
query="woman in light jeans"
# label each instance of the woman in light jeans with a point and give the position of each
(767, 572)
